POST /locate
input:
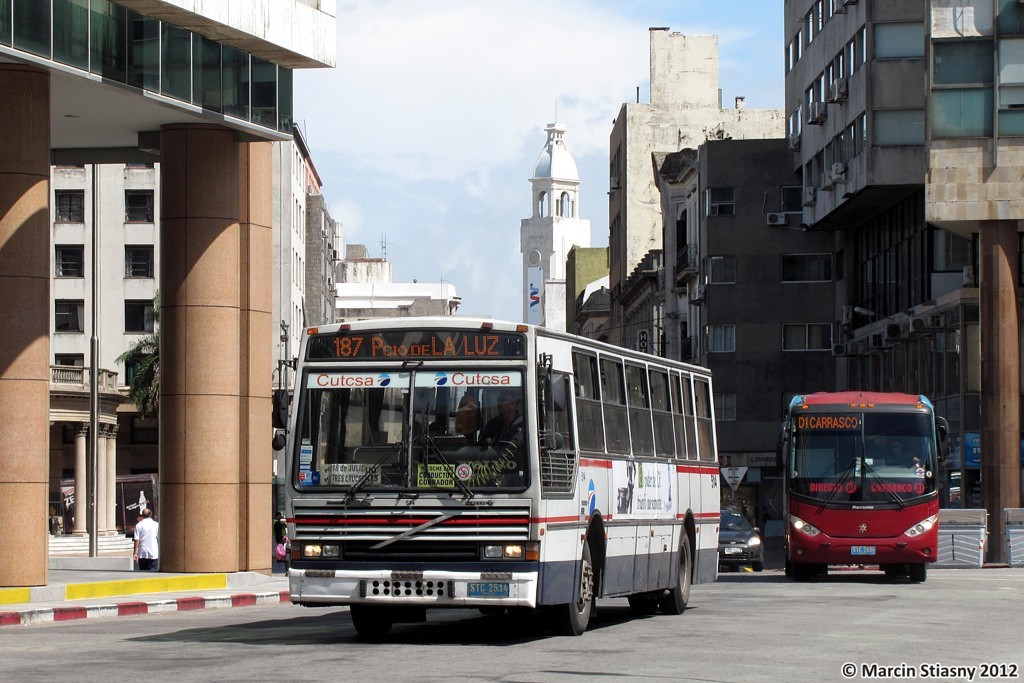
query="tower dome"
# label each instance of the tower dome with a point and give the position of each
(555, 160)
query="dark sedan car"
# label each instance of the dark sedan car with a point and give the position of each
(739, 544)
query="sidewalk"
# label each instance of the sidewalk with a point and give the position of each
(102, 593)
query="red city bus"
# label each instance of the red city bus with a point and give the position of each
(861, 482)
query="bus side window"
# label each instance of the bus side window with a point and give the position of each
(613, 397)
(702, 402)
(588, 402)
(688, 419)
(559, 416)
(661, 404)
(639, 410)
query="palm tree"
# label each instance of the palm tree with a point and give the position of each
(142, 363)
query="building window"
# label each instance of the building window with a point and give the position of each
(899, 40)
(950, 252)
(69, 316)
(74, 360)
(721, 338)
(720, 201)
(69, 206)
(722, 270)
(145, 430)
(69, 260)
(725, 407)
(138, 317)
(138, 260)
(962, 113)
(807, 337)
(138, 206)
(898, 127)
(807, 267)
(792, 199)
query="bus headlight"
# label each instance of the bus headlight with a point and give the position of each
(512, 551)
(321, 550)
(803, 527)
(923, 526)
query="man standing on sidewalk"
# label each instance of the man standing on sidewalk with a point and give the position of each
(147, 545)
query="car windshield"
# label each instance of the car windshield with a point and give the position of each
(734, 521)
(412, 430)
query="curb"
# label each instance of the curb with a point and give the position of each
(136, 607)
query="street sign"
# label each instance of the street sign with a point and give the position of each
(734, 475)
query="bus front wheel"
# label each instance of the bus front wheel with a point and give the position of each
(675, 599)
(574, 617)
(918, 572)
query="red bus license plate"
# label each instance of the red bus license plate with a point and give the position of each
(862, 550)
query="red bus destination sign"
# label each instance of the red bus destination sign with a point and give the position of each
(416, 345)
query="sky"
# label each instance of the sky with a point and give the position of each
(426, 133)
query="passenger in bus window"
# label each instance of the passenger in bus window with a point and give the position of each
(467, 418)
(507, 426)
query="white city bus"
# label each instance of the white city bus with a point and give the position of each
(454, 462)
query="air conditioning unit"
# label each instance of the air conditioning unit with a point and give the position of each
(810, 194)
(776, 218)
(839, 350)
(613, 182)
(794, 140)
(893, 331)
(876, 341)
(838, 7)
(838, 90)
(817, 113)
(827, 181)
(846, 316)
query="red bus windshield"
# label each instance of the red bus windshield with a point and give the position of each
(863, 457)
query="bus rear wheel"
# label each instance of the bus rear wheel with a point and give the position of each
(574, 617)
(372, 623)
(675, 599)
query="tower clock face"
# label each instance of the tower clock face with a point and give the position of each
(534, 258)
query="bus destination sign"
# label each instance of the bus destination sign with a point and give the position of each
(830, 422)
(416, 345)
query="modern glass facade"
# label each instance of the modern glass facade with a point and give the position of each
(117, 44)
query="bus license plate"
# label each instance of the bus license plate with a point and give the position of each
(487, 589)
(862, 550)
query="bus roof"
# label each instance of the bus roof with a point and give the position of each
(848, 397)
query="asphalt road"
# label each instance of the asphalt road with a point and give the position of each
(745, 627)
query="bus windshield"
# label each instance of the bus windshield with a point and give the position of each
(412, 430)
(865, 458)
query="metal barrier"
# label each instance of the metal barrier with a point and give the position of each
(962, 538)
(1013, 532)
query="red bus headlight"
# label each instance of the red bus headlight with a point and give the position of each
(803, 527)
(923, 526)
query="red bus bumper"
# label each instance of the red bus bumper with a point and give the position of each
(825, 549)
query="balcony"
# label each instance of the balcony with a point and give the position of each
(76, 378)
(687, 261)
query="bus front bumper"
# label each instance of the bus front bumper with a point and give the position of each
(420, 588)
(829, 550)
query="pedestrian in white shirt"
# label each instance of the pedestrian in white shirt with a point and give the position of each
(147, 544)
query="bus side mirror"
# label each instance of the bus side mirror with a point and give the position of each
(279, 417)
(942, 427)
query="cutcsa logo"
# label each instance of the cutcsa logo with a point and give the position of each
(534, 295)
(383, 379)
(440, 379)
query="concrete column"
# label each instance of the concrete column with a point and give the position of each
(101, 480)
(201, 512)
(256, 248)
(1000, 377)
(111, 522)
(81, 479)
(24, 323)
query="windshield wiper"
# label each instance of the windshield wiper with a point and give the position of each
(869, 469)
(839, 484)
(352, 490)
(466, 491)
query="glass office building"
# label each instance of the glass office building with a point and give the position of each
(119, 45)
